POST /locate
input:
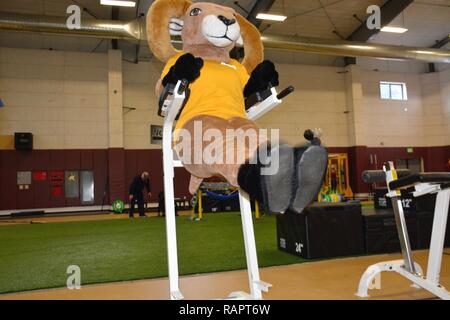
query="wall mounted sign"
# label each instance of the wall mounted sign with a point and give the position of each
(57, 191)
(56, 178)
(56, 181)
(23, 180)
(23, 177)
(39, 176)
(156, 133)
(71, 184)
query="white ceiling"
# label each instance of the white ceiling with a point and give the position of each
(316, 18)
(58, 7)
(427, 20)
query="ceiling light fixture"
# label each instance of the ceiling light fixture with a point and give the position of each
(273, 17)
(394, 29)
(118, 3)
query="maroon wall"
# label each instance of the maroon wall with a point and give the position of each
(121, 165)
(434, 159)
(139, 160)
(118, 164)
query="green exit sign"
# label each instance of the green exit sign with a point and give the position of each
(410, 150)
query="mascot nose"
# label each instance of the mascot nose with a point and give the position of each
(227, 22)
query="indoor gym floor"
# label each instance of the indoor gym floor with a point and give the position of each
(330, 279)
(326, 280)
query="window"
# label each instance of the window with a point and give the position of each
(393, 91)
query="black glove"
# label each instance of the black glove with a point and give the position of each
(262, 77)
(187, 67)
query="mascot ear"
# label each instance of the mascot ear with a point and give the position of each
(162, 16)
(253, 47)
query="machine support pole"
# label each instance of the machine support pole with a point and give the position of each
(438, 236)
(402, 230)
(250, 245)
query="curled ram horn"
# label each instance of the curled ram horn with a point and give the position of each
(176, 27)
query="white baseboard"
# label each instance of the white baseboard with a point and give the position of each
(69, 209)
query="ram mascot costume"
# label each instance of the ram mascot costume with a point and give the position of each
(218, 87)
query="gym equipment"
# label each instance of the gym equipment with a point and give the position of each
(216, 193)
(424, 183)
(322, 230)
(216, 202)
(336, 187)
(424, 228)
(426, 202)
(173, 108)
(118, 206)
(380, 231)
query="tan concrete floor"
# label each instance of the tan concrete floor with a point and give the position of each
(331, 280)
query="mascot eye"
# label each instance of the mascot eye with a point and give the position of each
(195, 12)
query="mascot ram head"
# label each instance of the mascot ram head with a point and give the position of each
(208, 30)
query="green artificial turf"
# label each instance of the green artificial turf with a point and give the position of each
(36, 256)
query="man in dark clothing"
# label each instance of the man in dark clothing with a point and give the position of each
(162, 205)
(136, 188)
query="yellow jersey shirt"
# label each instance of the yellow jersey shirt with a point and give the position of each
(218, 91)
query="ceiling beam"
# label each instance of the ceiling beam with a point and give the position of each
(261, 6)
(442, 43)
(115, 16)
(137, 46)
(439, 44)
(389, 11)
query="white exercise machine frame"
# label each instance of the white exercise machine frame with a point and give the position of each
(170, 162)
(406, 266)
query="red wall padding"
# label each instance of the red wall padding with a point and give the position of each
(118, 164)
(122, 165)
(39, 195)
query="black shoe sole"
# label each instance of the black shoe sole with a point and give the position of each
(277, 187)
(310, 173)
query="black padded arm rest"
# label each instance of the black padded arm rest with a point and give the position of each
(432, 177)
(374, 176)
(285, 92)
(168, 92)
(263, 95)
(257, 97)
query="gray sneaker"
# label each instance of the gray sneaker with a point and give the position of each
(310, 171)
(277, 186)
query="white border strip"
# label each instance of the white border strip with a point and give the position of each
(106, 207)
